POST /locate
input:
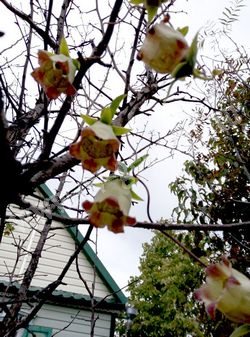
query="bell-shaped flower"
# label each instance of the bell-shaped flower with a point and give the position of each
(163, 48)
(55, 74)
(111, 207)
(227, 290)
(97, 147)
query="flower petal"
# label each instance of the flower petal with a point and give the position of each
(111, 207)
(227, 290)
(163, 48)
(94, 151)
(55, 74)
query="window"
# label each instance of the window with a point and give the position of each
(38, 331)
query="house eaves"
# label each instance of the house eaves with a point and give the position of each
(60, 297)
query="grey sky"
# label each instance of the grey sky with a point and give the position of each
(121, 253)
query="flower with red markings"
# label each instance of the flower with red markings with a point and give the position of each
(97, 147)
(163, 48)
(227, 290)
(98, 144)
(111, 207)
(55, 74)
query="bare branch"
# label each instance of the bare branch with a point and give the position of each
(28, 19)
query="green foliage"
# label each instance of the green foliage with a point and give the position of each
(215, 186)
(8, 228)
(186, 68)
(107, 115)
(241, 331)
(163, 293)
(231, 13)
(63, 48)
(151, 6)
(183, 30)
(137, 162)
(108, 112)
(89, 120)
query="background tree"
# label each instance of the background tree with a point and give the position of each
(215, 188)
(163, 293)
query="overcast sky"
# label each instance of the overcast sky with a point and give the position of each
(120, 253)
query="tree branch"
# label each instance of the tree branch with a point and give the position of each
(49, 290)
(85, 64)
(68, 221)
(28, 19)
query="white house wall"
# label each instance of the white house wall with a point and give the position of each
(58, 249)
(68, 322)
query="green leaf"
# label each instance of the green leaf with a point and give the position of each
(135, 196)
(76, 63)
(197, 73)
(106, 115)
(116, 102)
(108, 112)
(182, 70)
(152, 11)
(192, 54)
(241, 331)
(63, 48)
(183, 30)
(137, 162)
(217, 72)
(152, 7)
(119, 130)
(89, 120)
(136, 2)
(122, 167)
(128, 180)
(186, 68)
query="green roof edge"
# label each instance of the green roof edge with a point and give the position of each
(100, 304)
(89, 252)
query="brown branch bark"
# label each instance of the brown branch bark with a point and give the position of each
(9, 170)
(61, 20)
(85, 65)
(67, 221)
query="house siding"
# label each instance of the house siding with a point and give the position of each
(68, 322)
(60, 314)
(58, 248)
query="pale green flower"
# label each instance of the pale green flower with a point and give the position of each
(227, 290)
(163, 48)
